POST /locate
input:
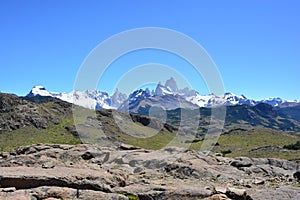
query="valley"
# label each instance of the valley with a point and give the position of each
(146, 149)
(253, 131)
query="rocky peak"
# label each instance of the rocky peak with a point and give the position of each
(117, 98)
(171, 85)
(8, 102)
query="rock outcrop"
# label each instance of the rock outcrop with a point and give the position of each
(16, 113)
(88, 171)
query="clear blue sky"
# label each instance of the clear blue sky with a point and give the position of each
(255, 44)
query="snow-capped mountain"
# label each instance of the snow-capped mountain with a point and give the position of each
(165, 100)
(232, 99)
(38, 91)
(167, 96)
(164, 94)
(187, 98)
(170, 88)
(92, 99)
(117, 99)
(279, 102)
(134, 99)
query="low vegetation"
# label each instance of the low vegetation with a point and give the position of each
(295, 146)
(54, 123)
(54, 134)
(258, 142)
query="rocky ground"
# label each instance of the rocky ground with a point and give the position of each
(88, 171)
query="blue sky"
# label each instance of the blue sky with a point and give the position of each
(255, 44)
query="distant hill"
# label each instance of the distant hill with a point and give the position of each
(44, 119)
(264, 115)
(260, 130)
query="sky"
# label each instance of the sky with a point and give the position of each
(255, 44)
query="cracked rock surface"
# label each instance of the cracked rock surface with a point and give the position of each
(89, 171)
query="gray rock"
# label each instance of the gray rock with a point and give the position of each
(90, 194)
(48, 165)
(45, 192)
(239, 164)
(30, 150)
(221, 189)
(237, 194)
(171, 173)
(4, 154)
(282, 192)
(128, 147)
(296, 175)
(29, 177)
(218, 197)
(87, 156)
(138, 170)
(259, 181)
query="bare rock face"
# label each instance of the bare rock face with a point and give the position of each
(93, 172)
(17, 112)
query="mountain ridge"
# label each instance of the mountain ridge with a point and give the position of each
(168, 94)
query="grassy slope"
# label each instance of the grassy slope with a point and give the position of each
(258, 142)
(239, 142)
(54, 133)
(31, 135)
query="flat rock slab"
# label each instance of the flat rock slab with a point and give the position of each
(88, 171)
(30, 177)
(56, 193)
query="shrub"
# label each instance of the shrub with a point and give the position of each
(295, 146)
(226, 152)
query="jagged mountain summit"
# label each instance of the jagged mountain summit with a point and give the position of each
(167, 96)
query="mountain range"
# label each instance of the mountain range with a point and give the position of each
(249, 130)
(167, 96)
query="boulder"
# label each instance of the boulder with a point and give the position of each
(239, 164)
(296, 175)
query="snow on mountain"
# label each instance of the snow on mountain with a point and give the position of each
(134, 99)
(68, 97)
(139, 95)
(92, 99)
(232, 100)
(200, 100)
(274, 101)
(166, 96)
(171, 85)
(170, 88)
(228, 99)
(162, 90)
(38, 91)
(117, 99)
(192, 96)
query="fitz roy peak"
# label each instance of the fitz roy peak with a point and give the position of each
(167, 96)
